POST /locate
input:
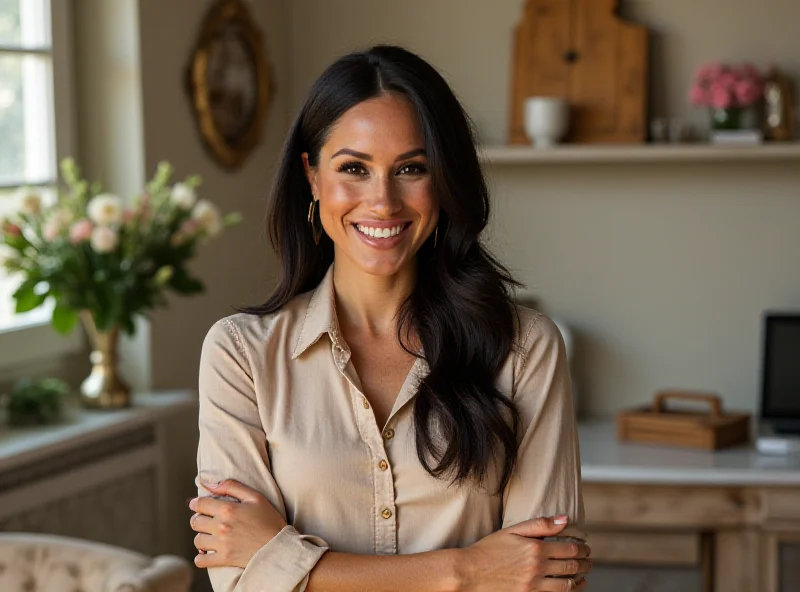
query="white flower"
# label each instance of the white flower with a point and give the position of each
(207, 214)
(7, 255)
(183, 196)
(105, 209)
(104, 239)
(29, 203)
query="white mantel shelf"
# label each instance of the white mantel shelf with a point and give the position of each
(638, 153)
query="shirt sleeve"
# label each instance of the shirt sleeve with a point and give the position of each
(547, 480)
(233, 445)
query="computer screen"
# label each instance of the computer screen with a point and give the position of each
(781, 368)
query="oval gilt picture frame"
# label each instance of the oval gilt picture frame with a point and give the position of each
(228, 81)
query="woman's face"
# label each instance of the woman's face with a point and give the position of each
(375, 193)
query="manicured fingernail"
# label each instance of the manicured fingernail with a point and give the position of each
(560, 520)
(193, 504)
(212, 484)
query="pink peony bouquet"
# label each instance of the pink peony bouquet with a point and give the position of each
(91, 251)
(722, 86)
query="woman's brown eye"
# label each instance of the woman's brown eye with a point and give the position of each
(412, 169)
(351, 168)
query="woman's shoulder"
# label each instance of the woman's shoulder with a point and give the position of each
(534, 326)
(538, 341)
(248, 331)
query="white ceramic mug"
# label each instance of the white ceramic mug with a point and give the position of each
(546, 120)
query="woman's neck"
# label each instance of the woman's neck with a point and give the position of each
(368, 304)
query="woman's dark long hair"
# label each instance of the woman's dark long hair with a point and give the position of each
(461, 309)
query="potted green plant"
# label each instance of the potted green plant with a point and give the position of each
(35, 402)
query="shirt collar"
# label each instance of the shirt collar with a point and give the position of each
(320, 318)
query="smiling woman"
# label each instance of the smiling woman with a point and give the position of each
(387, 419)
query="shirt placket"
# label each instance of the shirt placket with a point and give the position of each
(379, 443)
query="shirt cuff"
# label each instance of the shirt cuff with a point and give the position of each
(284, 564)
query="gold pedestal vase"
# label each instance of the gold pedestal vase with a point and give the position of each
(103, 388)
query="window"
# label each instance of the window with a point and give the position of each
(36, 130)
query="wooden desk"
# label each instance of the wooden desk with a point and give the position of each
(709, 522)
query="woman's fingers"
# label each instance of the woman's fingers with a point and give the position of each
(204, 542)
(235, 489)
(202, 523)
(558, 550)
(206, 560)
(210, 506)
(567, 567)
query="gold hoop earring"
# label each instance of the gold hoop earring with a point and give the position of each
(312, 207)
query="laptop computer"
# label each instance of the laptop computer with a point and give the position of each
(779, 431)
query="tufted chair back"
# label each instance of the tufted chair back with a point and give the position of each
(50, 563)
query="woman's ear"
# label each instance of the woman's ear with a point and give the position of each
(311, 175)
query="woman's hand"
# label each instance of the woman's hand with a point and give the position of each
(516, 560)
(231, 532)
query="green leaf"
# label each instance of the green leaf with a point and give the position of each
(26, 296)
(128, 325)
(183, 283)
(64, 319)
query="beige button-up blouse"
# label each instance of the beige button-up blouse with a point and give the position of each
(282, 411)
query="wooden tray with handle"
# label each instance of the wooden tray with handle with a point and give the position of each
(655, 424)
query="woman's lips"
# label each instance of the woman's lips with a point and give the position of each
(381, 235)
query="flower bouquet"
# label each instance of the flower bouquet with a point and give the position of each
(105, 262)
(727, 90)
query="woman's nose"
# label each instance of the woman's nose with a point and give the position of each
(385, 198)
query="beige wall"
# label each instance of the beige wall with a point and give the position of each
(235, 267)
(663, 270)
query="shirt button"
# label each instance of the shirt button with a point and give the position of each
(387, 513)
(388, 434)
(366, 404)
(383, 465)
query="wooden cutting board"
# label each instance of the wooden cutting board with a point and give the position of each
(656, 424)
(581, 51)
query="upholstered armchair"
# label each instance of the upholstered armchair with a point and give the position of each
(49, 563)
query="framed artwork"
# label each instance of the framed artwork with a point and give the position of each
(228, 81)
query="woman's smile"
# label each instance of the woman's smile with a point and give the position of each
(382, 234)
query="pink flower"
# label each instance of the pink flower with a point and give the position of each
(81, 231)
(51, 229)
(721, 98)
(186, 232)
(727, 80)
(747, 92)
(104, 239)
(12, 229)
(698, 95)
(709, 72)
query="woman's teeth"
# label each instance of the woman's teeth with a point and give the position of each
(379, 232)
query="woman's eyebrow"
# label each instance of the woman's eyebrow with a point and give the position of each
(355, 153)
(365, 156)
(411, 153)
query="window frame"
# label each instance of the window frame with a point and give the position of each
(32, 339)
